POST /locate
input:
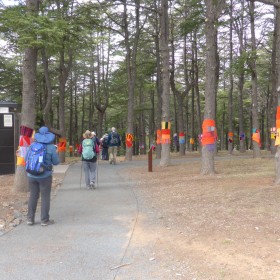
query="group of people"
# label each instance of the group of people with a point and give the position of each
(40, 183)
(89, 150)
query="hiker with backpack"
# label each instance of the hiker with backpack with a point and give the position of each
(114, 141)
(89, 150)
(40, 158)
(104, 145)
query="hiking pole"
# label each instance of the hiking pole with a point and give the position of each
(81, 176)
(97, 172)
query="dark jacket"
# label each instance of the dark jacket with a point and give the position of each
(114, 139)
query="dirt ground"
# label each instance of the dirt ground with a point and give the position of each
(13, 205)
(225, 226)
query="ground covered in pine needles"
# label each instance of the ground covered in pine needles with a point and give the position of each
(224, 226)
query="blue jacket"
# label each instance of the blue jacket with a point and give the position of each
(51, 159)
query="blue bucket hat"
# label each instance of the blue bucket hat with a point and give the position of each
(44, 136)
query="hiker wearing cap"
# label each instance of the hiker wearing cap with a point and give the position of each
(114, 142)
(40, 181)
(89, 149)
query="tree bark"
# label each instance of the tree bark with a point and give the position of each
(179, 95)
(158, 79)
(274, 76)
(131, 54)
(213, 9)
(239, 29)
(196, 88)
(277, 58)
(230, 92)
(164, 48)
(254, 79)
(28, 113)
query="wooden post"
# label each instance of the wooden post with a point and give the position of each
(150, 160)
(71, 151)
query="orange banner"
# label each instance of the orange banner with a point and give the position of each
(129, 140)
(158, 136)
(256, 136)
(277, 123)
(230, 137)
(278, 113)
(208, 125)
(209, 133)
(165, 136)
(62, 145)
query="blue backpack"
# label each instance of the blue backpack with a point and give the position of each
(88, 149)
(114, 138)
(35, 159)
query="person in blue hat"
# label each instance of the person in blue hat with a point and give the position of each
(41, 184)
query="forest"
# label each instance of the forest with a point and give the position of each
(180, 75)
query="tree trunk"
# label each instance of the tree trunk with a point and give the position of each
(28, 113)
(277, 58)
(179, 95)
(192, 125)
(152, 139)
(164, 39)
(158, 116)
(222, 137)
(65, 64)
(63, 76)
(196, 87)
(252, 64)
(131, 68)
(230, 92)
(213, 9)
(239, 28)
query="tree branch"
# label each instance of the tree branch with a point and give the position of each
(269, 2)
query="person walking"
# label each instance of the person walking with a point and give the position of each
(114, 142)
(89, 150)
(42, 183)
(104, 145)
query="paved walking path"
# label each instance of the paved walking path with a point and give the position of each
(91, 231)
(91, 234)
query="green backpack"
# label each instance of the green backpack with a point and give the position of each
(88, 149)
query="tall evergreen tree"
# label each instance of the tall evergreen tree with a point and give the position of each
(164, 47)
(28, 111)
(213, 10)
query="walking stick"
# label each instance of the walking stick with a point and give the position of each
(97, 172)
(81, 176)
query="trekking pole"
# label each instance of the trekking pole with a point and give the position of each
(97, 172)
(81, 176)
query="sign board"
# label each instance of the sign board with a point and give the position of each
(4, 110)
(8, 120)
(7, 143)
